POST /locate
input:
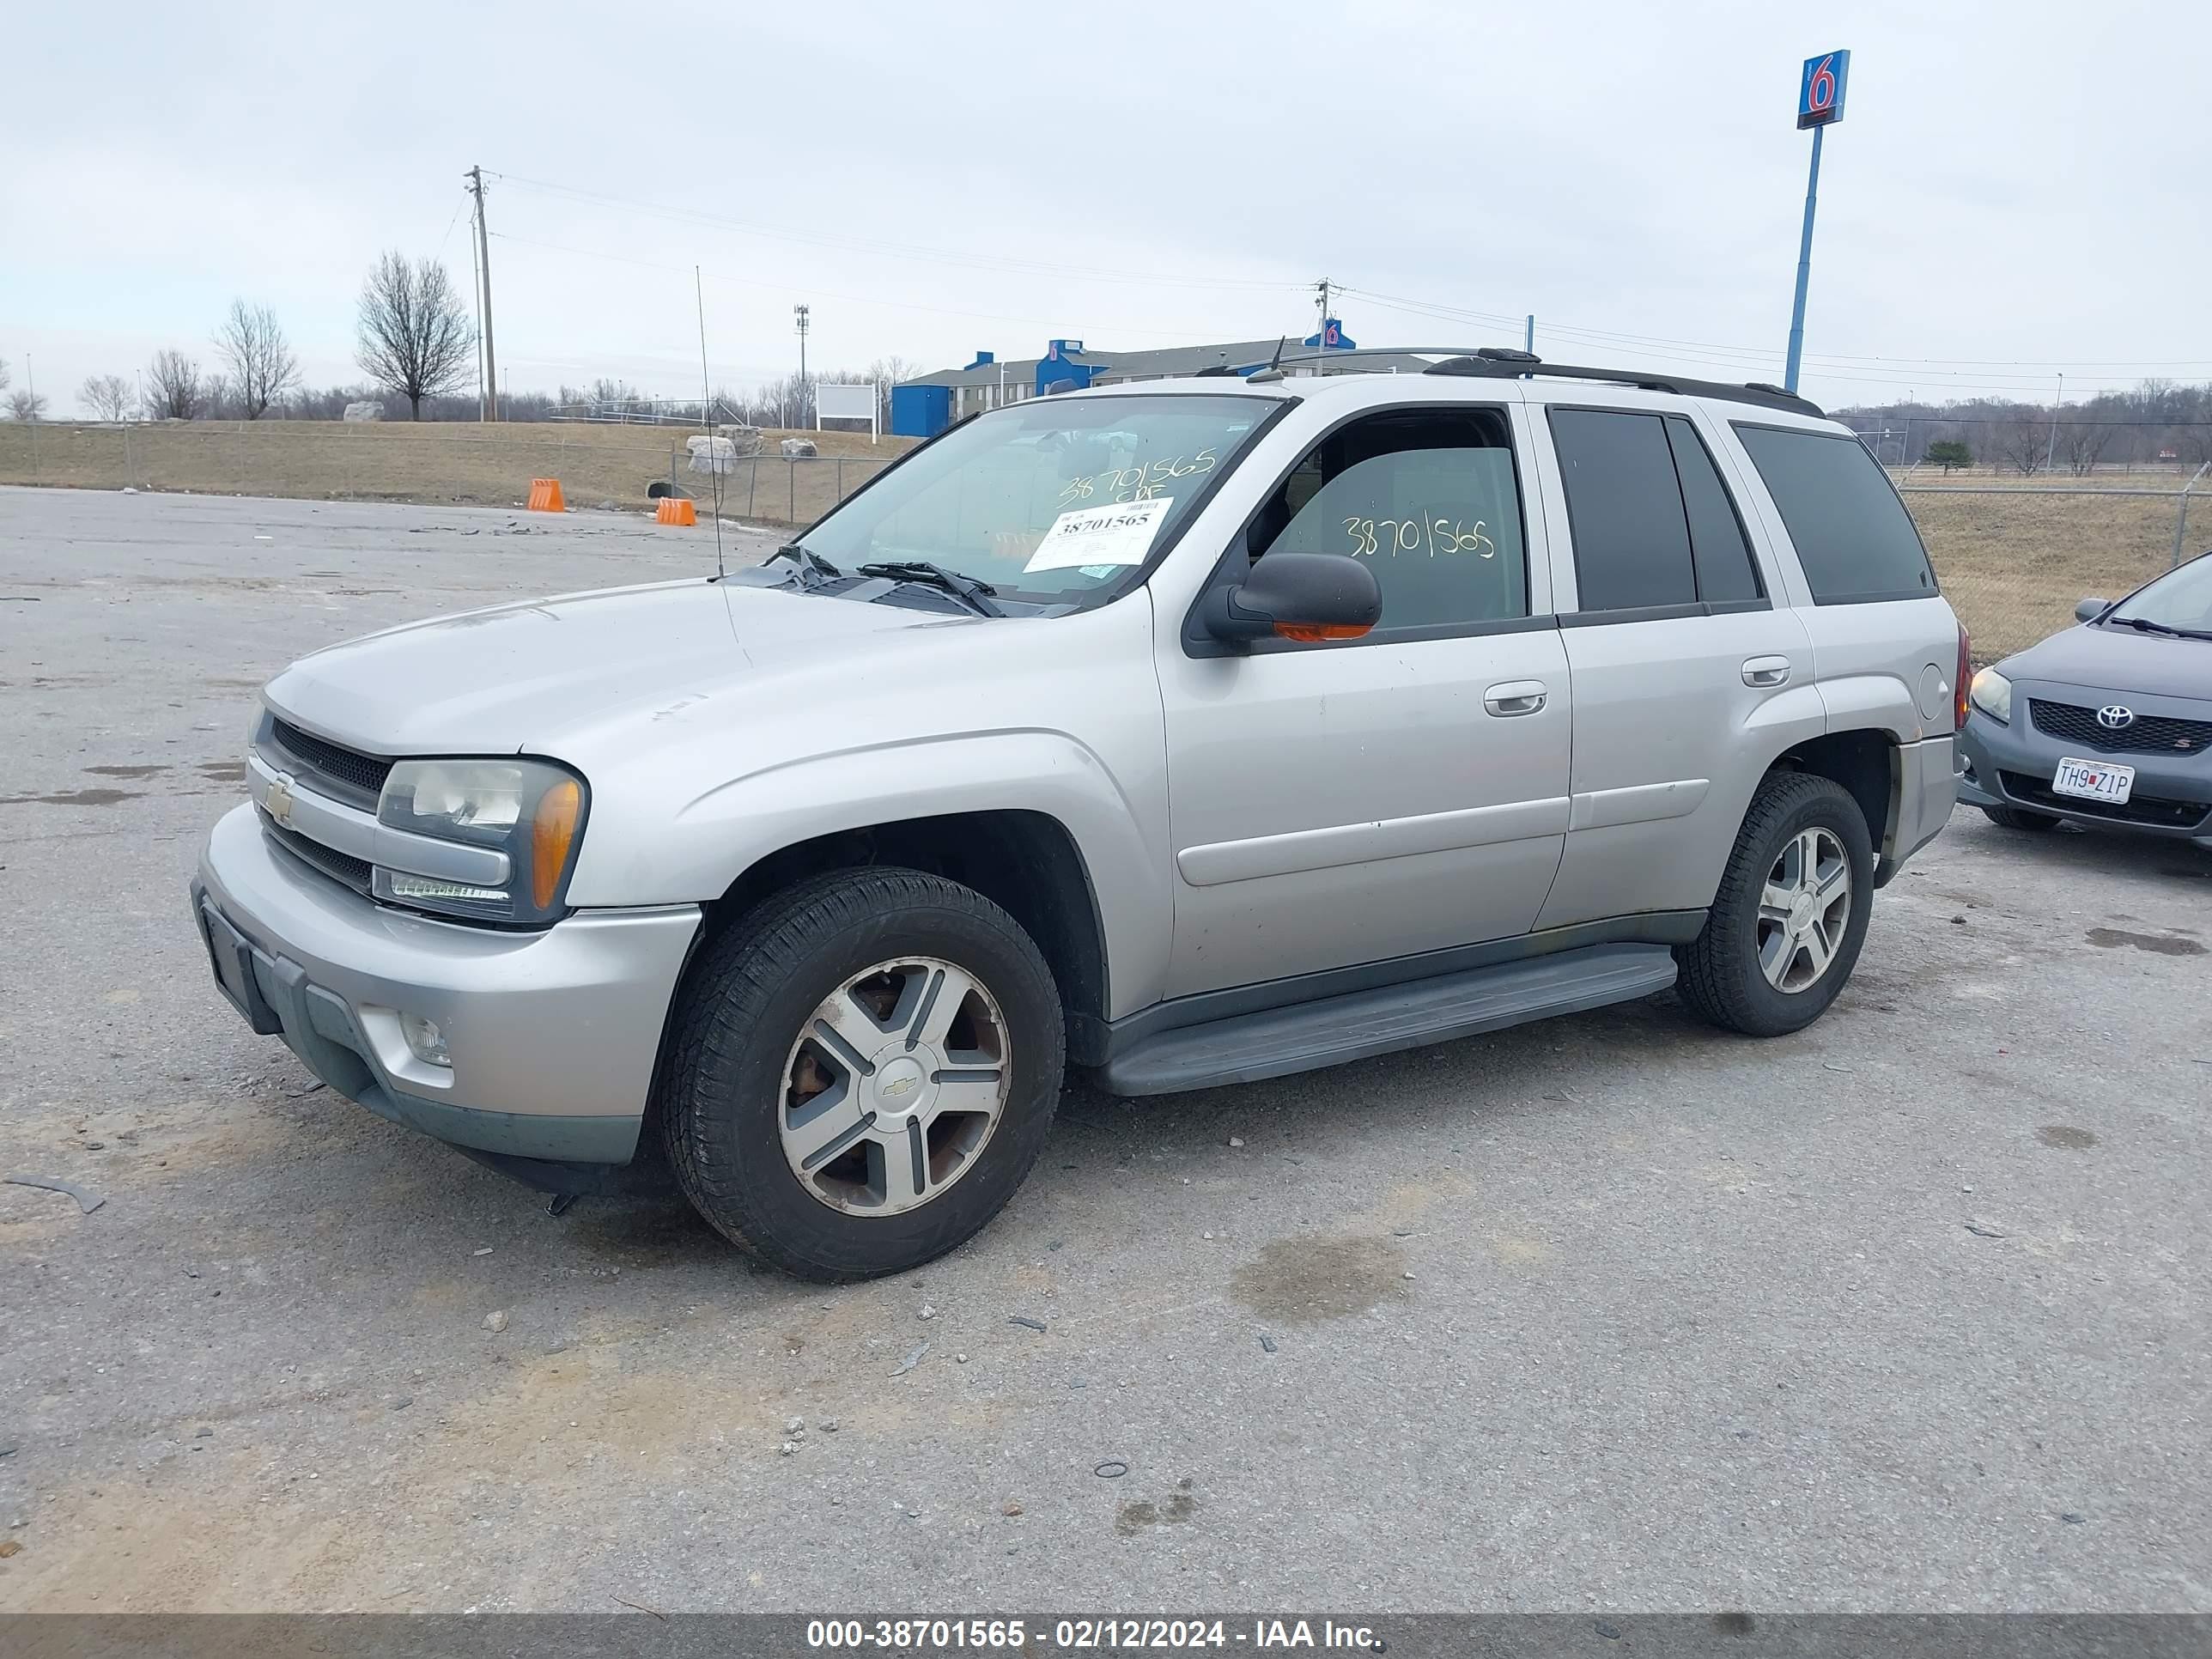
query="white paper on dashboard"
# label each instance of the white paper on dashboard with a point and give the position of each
(1116, 534)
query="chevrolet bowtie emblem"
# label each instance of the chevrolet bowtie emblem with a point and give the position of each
(277, 802)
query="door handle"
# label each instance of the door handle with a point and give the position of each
(1766, 671)
(1515, 697)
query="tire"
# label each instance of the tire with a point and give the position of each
(1724, 974)
(758, 1073)
(2012, 818)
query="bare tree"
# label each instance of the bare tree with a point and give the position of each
(415, 335)
(262, 366)
(4, 376)
(2022, 444)
(108, 396)
(27, 405)
(2085, 444)
(175, 391)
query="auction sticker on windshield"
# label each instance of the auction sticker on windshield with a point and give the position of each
(1114, 535)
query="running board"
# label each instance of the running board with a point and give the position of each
(1277, 1041)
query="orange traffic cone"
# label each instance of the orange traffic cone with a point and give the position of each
(674, 509)
(545, 497)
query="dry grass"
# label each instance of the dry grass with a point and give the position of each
(401, 461)
(2014, 565)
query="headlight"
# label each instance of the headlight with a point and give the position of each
(532, 811)
(1991, 693)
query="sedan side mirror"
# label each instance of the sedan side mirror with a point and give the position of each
(2090, 609)
(1307, 597)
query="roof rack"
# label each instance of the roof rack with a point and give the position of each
(1501, 363)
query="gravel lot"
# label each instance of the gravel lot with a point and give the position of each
(1608, 1313)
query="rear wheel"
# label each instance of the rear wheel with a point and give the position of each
(865, 1071)
(1786, 926)
(2012, 818)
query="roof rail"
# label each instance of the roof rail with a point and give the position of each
(1500, 363)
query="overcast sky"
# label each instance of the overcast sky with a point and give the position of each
(2015, 190)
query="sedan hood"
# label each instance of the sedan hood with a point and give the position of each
(2111, 659)
(521, 677)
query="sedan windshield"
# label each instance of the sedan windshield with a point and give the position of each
(1054, 503)
(2180, 600)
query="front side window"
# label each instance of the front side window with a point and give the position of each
(1852, 533)
(1429, 500)
(1057, 503)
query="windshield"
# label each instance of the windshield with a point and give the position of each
(2179, 599)
(1055, 503)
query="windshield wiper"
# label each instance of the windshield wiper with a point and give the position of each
(805, 558)
(2144, 624)
(976, 594)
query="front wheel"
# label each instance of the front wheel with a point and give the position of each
(2011, 817)
(1786, 926)
(864, 1070)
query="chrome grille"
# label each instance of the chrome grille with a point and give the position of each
(338, 866)
(339, 772)
(2149, 734)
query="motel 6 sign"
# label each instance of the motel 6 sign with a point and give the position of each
(1820, 92)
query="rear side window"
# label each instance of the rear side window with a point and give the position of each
(1625, 509)
(1852, 533)
(1722, 555)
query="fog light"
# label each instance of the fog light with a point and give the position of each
(425, 1040)
(430, 889)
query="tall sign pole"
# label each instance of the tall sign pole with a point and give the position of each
(1819, 103)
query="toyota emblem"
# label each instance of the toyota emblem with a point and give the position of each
(2116, 717)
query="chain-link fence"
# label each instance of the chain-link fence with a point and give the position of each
(434, 462)
(2014, 560)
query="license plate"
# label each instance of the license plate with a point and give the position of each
(2093, 780)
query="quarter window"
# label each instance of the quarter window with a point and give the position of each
(1852, 532)
(1430, 500)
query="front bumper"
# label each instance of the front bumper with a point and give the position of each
(553, 1034)
(2012, 764)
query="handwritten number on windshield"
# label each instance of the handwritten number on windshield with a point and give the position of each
(1136, 484)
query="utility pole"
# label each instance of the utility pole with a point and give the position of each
(1321, 333)
(2051, 443)
(801, 313)
(1529, 339)
(488, 407)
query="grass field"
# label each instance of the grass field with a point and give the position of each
(2015, 564)
(434, 462)
(2014, 559)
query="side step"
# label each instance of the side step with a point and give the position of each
(1277, 1041)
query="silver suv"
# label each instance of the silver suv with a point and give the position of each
(1193, 732)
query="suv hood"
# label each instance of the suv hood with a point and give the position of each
(2117, 659)
(521, 677)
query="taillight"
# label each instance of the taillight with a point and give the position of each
(1965, 678)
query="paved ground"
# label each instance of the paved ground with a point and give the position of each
(1611, 1312)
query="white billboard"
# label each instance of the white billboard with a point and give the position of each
(845, 403)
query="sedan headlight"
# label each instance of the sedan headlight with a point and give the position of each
(1991, 693)
(532, 811)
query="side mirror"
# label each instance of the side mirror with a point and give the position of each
(1307, 597)
(2090, 609)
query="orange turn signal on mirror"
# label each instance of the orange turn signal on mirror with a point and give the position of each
(552, 833)
(1314, 633)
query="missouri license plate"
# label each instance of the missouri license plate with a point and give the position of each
(2093, 780)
